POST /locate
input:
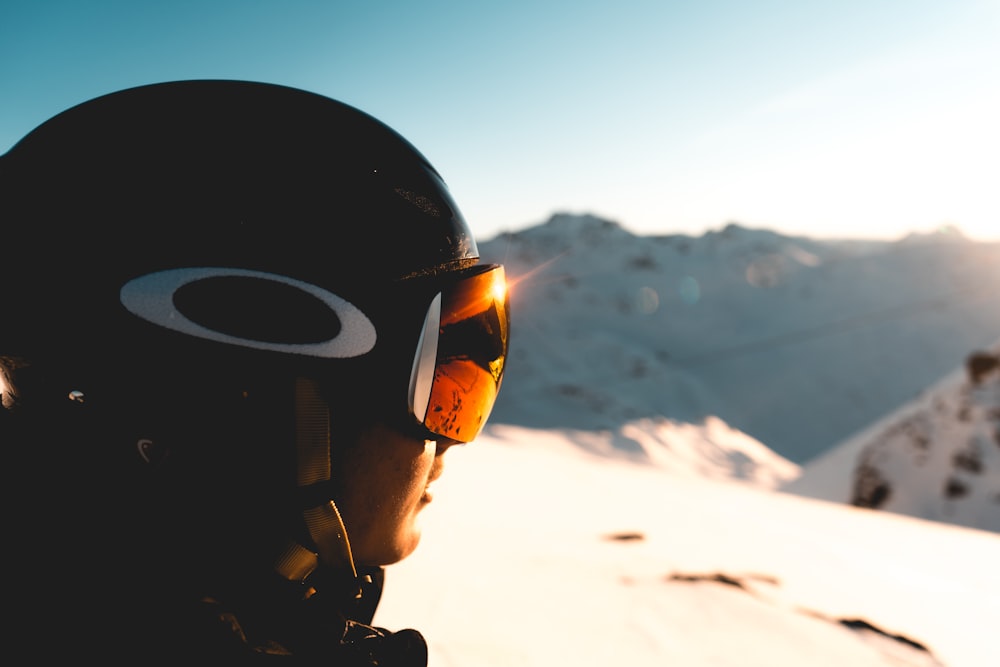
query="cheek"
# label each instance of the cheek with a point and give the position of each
(382, 491)
(402, 482)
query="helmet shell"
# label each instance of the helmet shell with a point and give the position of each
(210, 173)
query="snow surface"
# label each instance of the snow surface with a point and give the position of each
(538, 550)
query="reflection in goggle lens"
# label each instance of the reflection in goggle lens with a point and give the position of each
(460, 357)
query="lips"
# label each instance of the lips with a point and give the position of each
(428, 494)
(436, 471)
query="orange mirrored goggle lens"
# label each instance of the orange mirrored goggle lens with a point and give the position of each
(461, 355)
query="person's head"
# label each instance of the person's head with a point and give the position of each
(230, 303)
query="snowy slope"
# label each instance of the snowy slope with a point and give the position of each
(708, 450)
(539, 553)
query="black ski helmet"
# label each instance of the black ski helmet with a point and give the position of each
(219, 173)
(180, 257)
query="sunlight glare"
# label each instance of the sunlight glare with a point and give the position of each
(515, 281)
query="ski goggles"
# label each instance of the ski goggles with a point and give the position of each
(461, 354)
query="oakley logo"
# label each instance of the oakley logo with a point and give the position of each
(252, 309)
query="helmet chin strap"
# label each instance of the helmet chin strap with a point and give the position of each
(324, 523)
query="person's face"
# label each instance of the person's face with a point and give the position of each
(386, 478)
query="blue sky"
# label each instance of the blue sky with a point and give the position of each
(860, 118)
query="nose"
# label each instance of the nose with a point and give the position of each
(444, 444)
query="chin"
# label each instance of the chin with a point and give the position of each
(406, 550)
(390, 553)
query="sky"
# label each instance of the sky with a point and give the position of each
(861, 118)
(617, 568)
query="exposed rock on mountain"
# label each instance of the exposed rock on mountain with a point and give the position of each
(935, 458)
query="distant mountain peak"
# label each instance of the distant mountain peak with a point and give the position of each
(576, 224)
(943, 234)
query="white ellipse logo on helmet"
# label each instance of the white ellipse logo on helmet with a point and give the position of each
(151, 297)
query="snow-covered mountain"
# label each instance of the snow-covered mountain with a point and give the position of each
(937, 457)
(798, 342)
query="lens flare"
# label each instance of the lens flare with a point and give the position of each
(690, 290)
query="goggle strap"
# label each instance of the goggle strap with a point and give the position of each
(312, 434)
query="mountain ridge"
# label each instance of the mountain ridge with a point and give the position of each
(795, 341)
